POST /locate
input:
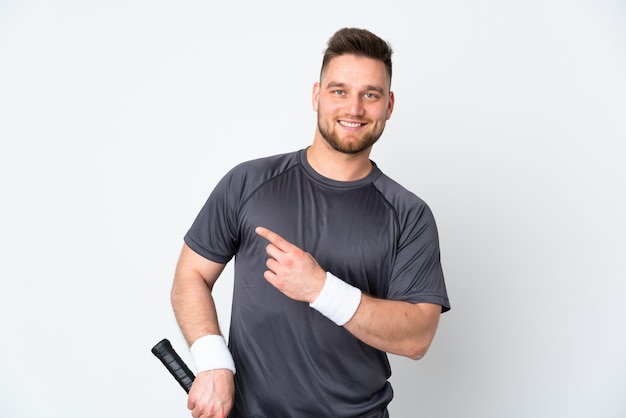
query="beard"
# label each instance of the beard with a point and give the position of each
(330, 135)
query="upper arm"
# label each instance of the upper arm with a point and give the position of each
(417, 274)
(193, 266)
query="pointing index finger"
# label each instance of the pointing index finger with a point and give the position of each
(278, 241)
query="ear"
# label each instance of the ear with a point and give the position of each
(392, 99)
(315, 97)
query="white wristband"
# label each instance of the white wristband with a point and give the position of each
(338, 301)
(210, 353)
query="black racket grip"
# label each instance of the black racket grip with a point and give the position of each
(172, 362)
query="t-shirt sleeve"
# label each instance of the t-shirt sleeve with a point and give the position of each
(214, 233)
(417, 275)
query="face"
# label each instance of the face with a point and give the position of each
(353, 103)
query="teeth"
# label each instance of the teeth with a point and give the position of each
(350, 124)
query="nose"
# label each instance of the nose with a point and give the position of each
(355, 106)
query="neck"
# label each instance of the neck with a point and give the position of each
(336, 165)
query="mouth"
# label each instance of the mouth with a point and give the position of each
(351, 124)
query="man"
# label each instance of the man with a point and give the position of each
(335, 264)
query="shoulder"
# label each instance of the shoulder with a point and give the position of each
(411, 211)
(267, 166)
(245, 177)
(396, 194)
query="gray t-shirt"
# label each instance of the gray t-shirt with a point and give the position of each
(374, 234)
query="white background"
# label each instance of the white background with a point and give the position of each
(117, 118)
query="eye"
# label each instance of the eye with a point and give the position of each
(339, 92)
(371, 96)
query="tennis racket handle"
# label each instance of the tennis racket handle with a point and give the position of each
(172, 362)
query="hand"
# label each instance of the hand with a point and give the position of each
(212, 394)
(291, 270)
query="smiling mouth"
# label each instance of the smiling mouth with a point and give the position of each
(351, 124)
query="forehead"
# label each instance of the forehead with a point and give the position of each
(356, 70)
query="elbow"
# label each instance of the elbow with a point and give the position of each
(416, 354)
(175, 299)
(178, 295)
(417, 350)
(175, 294)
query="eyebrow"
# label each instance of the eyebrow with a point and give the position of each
(333, 84)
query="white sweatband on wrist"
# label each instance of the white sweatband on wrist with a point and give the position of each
(210, 353)
(338, 301)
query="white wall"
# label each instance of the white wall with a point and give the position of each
(117, 118)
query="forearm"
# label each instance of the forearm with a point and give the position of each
(195, 311)
(212, 391)
(191, 296)
(395, 327)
